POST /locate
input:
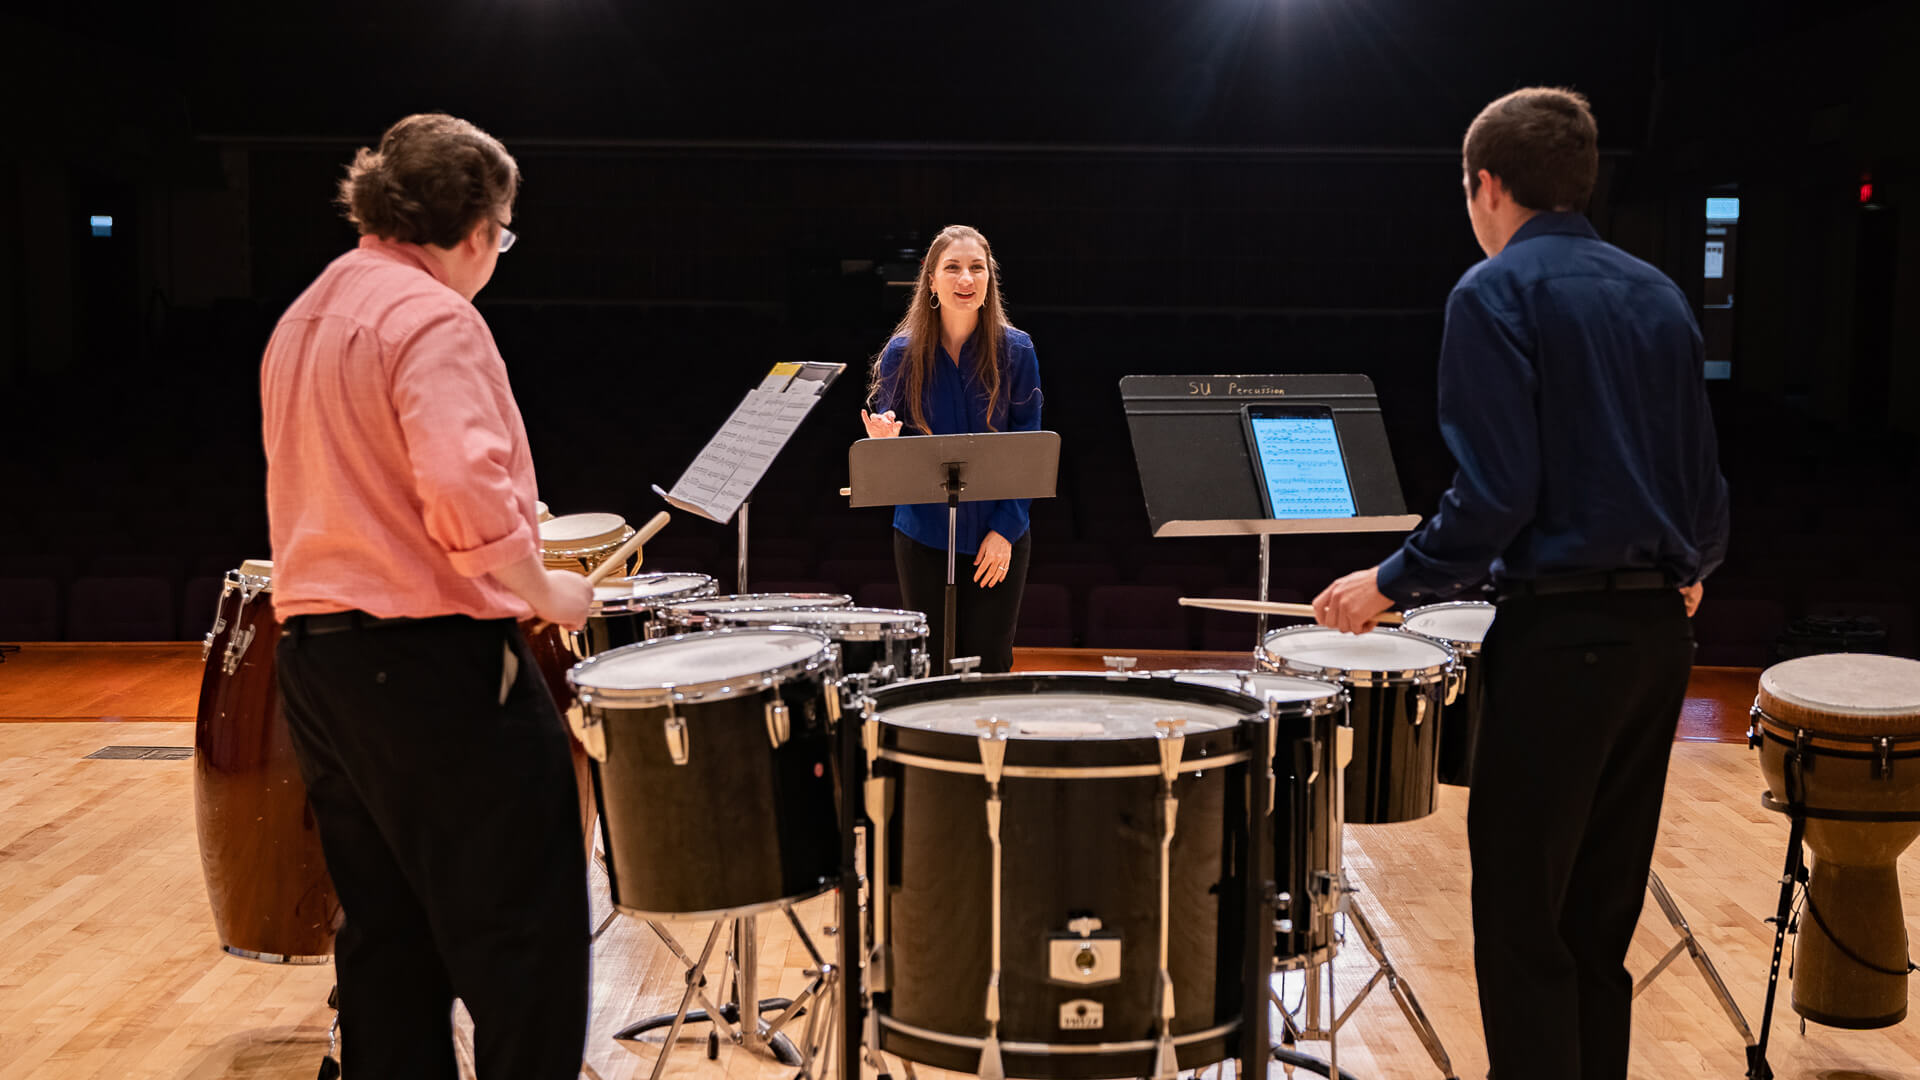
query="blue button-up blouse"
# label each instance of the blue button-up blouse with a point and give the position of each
(955, 403)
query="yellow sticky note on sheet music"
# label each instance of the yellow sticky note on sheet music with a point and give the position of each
(778, 378)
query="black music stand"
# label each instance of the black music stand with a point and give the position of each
(1197, 472)
(953, 469)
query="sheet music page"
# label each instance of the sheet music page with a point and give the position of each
(739, 454)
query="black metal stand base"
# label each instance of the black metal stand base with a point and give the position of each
(780, 1046)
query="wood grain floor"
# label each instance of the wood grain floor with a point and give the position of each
(109, 966)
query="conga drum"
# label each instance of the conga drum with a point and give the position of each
(259, 846)
(1839, 739)
(1460, 625)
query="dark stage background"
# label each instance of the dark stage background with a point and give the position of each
(1186, 186)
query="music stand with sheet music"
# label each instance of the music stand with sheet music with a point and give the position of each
(916, 469)
(720, 480)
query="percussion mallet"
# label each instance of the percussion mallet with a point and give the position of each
(1270, 607)
(618, 559)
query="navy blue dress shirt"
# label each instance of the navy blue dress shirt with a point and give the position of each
(1573, 398)
(955, 403)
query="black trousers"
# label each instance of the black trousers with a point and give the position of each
(984, 619)
(452, 831)
(1584, 692)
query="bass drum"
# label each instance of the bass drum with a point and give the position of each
(1053, 850)
(259, 846)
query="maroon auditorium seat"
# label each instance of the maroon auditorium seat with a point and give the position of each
(121, 609)
(758, 585)
(1136, 617)
(856, 574)
(1046, 617)
(1737, 630)
(1232, 631)
(1191, 580)
(29, 609)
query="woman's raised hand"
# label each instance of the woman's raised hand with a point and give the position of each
(883, 426)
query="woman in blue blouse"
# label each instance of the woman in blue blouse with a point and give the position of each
(954, 366)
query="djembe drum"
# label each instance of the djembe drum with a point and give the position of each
(1839, 740)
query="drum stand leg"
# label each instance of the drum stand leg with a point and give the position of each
(1383, 971)
(740, 1020)
(1691, 946)
(1792, 877)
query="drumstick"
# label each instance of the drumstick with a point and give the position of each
(1270, 607)
(617, 560)
(619, 557)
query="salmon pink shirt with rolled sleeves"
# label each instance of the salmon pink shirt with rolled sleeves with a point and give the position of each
(398, 473)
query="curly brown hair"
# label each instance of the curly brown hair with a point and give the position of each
(432, 179)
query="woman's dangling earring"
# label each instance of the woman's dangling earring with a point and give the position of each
(933, 301)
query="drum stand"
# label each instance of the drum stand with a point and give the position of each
(1691, 946)
(1310, 1027)
(741, 1019)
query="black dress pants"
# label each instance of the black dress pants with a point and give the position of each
(452, 831)
(984, 619)
(1584, 692)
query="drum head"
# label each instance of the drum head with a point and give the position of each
(765, 601)
(1285, 689)
(1320, 649)
(1845, 693)
(573, 530)
(1074, 716)
(1462, 623)
(708, 659)
(646, 590)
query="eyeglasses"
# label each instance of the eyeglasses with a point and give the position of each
(507, 237)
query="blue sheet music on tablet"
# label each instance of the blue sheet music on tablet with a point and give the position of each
(1303, 473)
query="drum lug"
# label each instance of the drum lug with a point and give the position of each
(779, 725)
(964, 666)
(922, 664)
(586, 728)
(1456, 678)
(1172, 744)
(206, 646)
(1755, 735)
(675, 729)
(1119, 667)
(236, 649)
(1420, 705)
(1882, 757)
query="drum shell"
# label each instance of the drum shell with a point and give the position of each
(1394, 775)
(259, 845)
(1070, 848)
(1852, 876)
(608, 631)
(741, 825)
(1460, 720)
(1306, 836)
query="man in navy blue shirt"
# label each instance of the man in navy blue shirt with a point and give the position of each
(1589, 490)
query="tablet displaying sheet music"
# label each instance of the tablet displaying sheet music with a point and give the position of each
(1298, 459)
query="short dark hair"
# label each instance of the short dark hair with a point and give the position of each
(433, 177)
(1542, 144)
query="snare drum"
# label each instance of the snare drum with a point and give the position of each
(1462, 626)
(884, 644)
(1396, 682)
(259, 847)
(715, 764)
(580, 542)
(628, 610)
(1052, 848)
(1307, 717)
(689, 617)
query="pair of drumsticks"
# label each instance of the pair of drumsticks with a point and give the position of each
(1271, 607)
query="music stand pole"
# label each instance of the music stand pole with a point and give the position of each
(949, 618)
(740, 581)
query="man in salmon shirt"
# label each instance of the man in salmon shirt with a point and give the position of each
(400, 493)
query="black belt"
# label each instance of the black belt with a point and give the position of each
(334, 622)
(1604, 581)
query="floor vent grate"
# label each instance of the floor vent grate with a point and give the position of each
(142, 753)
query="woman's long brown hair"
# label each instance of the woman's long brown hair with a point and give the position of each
(921, 327)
